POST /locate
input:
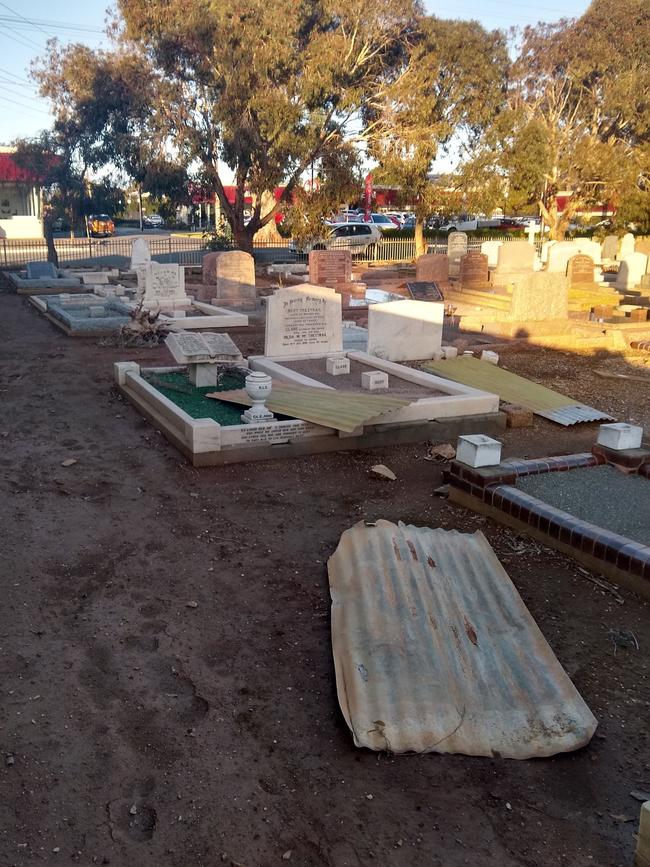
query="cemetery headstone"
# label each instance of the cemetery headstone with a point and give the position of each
(405, 330)
(609, 247)
(456, 249)
(539, 296)
(303, 321)
(474, 271)
(559, 255)
(330, 267)
(432, 268)
(233, 273)
(491, 250)
(140, 253)
(161, 284)
(631, 271)
(514, 258)
(626, 246)
(580, 270)
(191, 347)
(41, 271)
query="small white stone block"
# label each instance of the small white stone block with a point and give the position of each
(450, 352)
(478, 450)
(489, 356)
(468, 353)
(619, 436)
(374, 380)
(337, 366)
(96, 312)
(438, 356)
(202, 375)
(176, 314)
(121, 368)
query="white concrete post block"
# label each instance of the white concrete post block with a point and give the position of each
(336, 366)
(121, 368)
(202, 375)
(619, 436)
(478, 450)
(642, 854)
(374, 380)
(450, 352)
(489, 356)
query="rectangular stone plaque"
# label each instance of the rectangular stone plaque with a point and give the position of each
(192, 348)
(273, 433)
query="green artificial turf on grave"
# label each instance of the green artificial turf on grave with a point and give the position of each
(194, 402)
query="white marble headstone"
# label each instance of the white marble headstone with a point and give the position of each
(405, 330)
(140, 252)
(631, 270)
(161, 284)
(303, 321)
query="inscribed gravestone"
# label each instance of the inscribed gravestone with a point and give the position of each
(491, 250)
(540, 296)
(609, 247)
(233, 273)
(405, 330)
(162, 284)
(627, 246)
(589, 248)
(432, 268)
(303, 321)
(473, 270)
(580, 270)
(140, 253)
(456, 249)
(196, 348)
(330, 267)
(631, 271)
(41, 271)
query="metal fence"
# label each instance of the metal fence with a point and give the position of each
(188, 250)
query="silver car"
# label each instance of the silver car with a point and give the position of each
(356, 237)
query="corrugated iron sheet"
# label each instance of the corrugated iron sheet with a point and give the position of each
(516, 389)
(435, 651)
(341, 410)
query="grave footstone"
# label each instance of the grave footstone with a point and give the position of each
(405, 330)
(330, 268)
(631, 271)
(491, 250)
(540, 296)
(140, 253)
(422, 290)
(580, 270)
(432, 268)
(303, 321)
(609, 248)
(474, 271)
(41, 271)
(456, 249)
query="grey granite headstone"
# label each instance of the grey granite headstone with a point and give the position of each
(41, 270)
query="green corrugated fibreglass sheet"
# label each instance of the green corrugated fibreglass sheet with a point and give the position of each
(341, 410)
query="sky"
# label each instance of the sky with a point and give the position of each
(25, 28)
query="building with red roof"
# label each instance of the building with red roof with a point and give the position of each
(21, 202)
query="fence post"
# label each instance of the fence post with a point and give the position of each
(4, 244)
(90, 247)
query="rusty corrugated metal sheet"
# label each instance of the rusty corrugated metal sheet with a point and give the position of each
(516, 389)
(341, 410)
(435, 651)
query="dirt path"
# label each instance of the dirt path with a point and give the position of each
(137, 730)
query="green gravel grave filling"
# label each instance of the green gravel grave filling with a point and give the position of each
(194, 402)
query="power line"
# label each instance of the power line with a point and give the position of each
(13, 75)
(25, 107)
(51, 25)
(21, 39)
(18, 15)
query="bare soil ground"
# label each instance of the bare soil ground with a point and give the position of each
(167, 681)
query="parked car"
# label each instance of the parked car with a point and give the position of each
(153, 221)
(383, 221)
(100, 226)
(460, 226)
(356, 237)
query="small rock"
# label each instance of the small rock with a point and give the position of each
(56, 849)
(192, 604)
(287, 855)
(441, 452)
(68, 462)
(508, 805)
(133, 810)
(9, 761)
(383, 472)
(194, 495)
(369, 797)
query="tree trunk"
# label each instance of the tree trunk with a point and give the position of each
(244, 238)
(52, 255)
(420, 245)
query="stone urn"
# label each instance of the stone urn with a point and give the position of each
(258, 388)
